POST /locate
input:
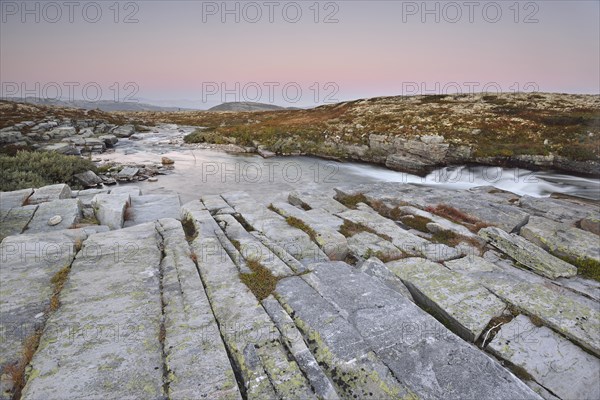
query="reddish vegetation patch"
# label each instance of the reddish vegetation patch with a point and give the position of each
(451, 213)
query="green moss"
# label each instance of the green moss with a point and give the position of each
(349, 229)
(417, 222)
(448, 238)
(587, 268)
(299, 224)
(261, 282)
(353, 200)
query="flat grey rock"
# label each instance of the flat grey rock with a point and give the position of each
(553, 361)
(366, 245)
(562, 240)
(353, 367)
(86, 196)
(333, 243)
(272, 225)
(403, 336)
(14, 199)
(559, 210)
(153, 207)
(251, 248)
(293, 339)
(127, 173)
(405, 241)
(575, 319)
(198, 366)
(375, 268)
(466, 305)
(28, 264)
(487, 207)
(14, 220)
(528, 254)
(111, 290)
(316, 200)
(216, 205)
(50, 193)
(253, 341)
(68, 209)
(126, 189)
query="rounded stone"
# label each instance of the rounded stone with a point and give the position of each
(152, 179)
(167, 161)
(57, 219)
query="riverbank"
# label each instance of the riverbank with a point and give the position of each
(539, 131)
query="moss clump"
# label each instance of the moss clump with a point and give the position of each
(446, 237)
(586, 268)
(189, 229)
(384, 256)
(416, 222)
(299, 224)
(34, 169)
(260, 282)
(349, 229)
(352, 200)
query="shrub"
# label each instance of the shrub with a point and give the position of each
(35, 169)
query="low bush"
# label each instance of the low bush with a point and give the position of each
(34, 169)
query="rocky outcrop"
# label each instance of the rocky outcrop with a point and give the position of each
(234, 299)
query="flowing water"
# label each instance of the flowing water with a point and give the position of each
(204, 171)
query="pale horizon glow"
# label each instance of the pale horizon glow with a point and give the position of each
(376, 48)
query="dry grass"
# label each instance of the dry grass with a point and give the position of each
(129, 214)
(260, 282)
(16, 371)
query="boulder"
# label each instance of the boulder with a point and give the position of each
(50, 193)
(167, 161)
(123, 131)
(127, 173)
(109, 140)
(62, 132)
(88, 179)
(10, 137)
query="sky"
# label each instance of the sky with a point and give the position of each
(199, 54)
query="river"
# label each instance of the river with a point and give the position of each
(205, 171)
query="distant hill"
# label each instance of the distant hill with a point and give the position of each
(103, 105)
(246, 106)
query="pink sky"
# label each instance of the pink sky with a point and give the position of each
(374, 48)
